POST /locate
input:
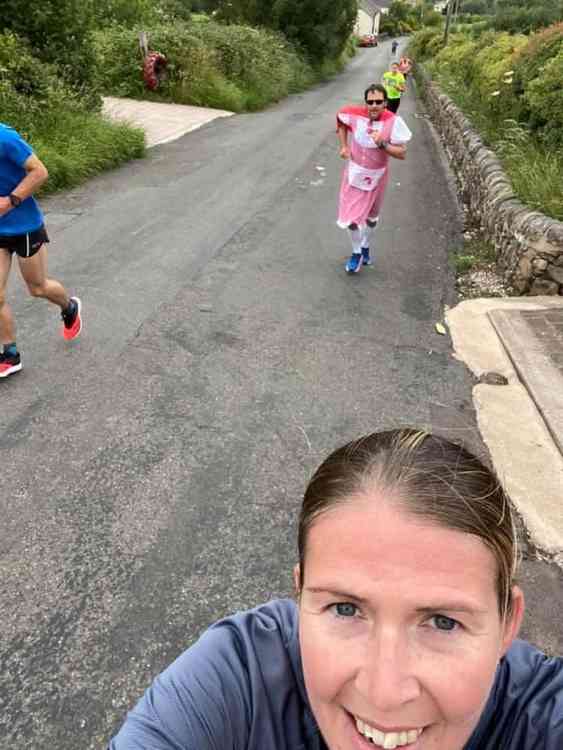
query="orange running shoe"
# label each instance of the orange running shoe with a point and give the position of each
(72, 321)
(9, 364)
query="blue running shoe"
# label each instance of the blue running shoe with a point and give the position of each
(354, 264)
(366, 260)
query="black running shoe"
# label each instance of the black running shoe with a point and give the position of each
(72, 320)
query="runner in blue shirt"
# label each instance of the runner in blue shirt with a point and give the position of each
(403, 633)
(22, 233)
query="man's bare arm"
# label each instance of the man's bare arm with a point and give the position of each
(36, 176)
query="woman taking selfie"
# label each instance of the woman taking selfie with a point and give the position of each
(403, 633)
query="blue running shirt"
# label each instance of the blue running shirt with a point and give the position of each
(241, 687)
(14, 152)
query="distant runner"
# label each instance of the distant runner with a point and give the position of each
(22, 232)
(376, 134)
(394, 82)
(405, 67)
(394, 46)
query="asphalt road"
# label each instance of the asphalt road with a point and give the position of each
(153, 470)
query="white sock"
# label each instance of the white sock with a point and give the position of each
(356, 239)
(367, 233)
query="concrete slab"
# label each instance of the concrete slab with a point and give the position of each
(162, 122)
(522, 449)
(534, 342)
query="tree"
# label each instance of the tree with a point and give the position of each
(123, 12)
(401, 18)
(58, 32)
(320, 28)
(526, 15)
(477, 7)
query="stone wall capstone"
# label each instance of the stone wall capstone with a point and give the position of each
(529, 244)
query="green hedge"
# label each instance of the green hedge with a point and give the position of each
(73, 141)
(508, 76)
(511, 87)
(233, 67)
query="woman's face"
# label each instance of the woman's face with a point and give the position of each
(399, 628)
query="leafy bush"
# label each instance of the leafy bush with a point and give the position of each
(419, 44)
(476, 7)
(77, 145)
(526, 19)
(321, 28)
(541, 47)
(227, 66)
(127, 13)
(477, 29)
(22, 72)
(118, 61)
(400, 18)
(261, 62)
(58, 32)
(29, 89)
(511, 87)
(484, 65)
(544, 97)
(432, 19)
(458, 58)
(318, 28)
(435, 45)
(529, 64)
(73, 141)
(493, 66)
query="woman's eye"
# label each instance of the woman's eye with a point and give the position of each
(345, 609)
(441, 622)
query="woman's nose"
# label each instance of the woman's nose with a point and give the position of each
(387, 677)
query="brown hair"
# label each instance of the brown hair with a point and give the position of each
(429, 477)
(373, 88)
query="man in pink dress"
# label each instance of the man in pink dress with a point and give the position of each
(368, 136)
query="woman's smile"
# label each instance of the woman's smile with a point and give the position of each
(398, 621)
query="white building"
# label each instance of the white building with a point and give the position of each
(369, 14)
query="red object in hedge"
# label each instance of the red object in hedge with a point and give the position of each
(154, 69)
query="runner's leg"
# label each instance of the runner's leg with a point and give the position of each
(355, 262)
(366, 233)
(365, 236)
(355, 234)
(34, 273)
(7, 327)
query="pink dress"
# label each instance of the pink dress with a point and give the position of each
(366, 173)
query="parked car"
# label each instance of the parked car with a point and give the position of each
(367, 40)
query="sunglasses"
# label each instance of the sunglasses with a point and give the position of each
(375, 101)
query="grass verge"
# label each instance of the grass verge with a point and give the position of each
(78, 145)
(476, 254)
(533, 169)
(74, 143)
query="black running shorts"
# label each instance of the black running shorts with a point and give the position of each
(24, 245)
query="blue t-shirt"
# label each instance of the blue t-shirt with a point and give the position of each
(241, 687)
(14, 152)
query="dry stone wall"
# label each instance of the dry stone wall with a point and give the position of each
(529, 244)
